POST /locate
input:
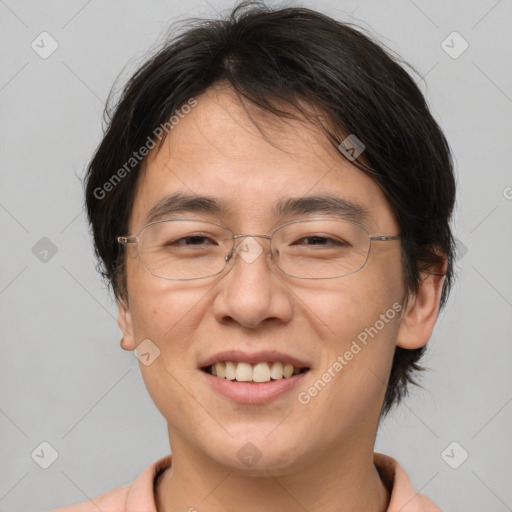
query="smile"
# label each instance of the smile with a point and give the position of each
(259, 373)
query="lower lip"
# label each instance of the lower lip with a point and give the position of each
(253, 392)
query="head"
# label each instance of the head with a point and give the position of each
(246, 113)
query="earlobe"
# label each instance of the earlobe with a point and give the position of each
(124, 320)
(420, 315)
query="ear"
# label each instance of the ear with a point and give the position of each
(124, 320)
(420, 315)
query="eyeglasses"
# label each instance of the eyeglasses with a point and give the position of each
(318, 248)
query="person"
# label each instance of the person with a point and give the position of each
(271, 203)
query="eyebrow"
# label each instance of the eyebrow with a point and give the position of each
(179, 202)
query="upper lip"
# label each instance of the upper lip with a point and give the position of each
(253, 358)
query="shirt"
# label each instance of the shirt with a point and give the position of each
(139, 495)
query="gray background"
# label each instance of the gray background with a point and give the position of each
(63, 377)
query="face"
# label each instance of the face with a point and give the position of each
(340, 333)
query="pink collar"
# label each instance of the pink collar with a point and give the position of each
(404, 498)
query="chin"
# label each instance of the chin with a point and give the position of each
(256, 453)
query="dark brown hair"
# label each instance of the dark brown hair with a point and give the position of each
(294, 57)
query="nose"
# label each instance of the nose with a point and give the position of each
(252, 292)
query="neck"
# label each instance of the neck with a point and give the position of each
(337, 481)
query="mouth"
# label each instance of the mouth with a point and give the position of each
(259, 373)
(254, 378)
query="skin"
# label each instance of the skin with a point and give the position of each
(315, 456)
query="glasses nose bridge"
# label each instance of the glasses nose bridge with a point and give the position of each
(245, 235)
(249, 235)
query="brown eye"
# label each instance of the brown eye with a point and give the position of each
(321, 240)
(191, 240)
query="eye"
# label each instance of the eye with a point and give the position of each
(191, 240)
(321, 241)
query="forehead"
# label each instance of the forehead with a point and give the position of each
(250, 162)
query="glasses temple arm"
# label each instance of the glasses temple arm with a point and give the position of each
(127, 239)
(383, 238)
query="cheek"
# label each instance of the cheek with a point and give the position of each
(164, 310)
(168, 314)
(341, 309)
(359, 316)
(374, 314)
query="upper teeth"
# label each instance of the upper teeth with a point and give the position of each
(260, 372)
